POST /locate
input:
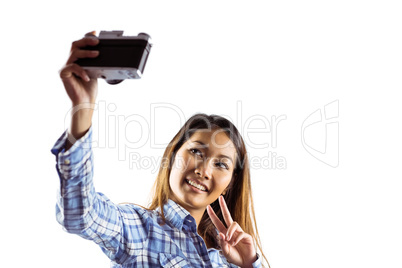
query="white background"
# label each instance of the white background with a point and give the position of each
(274, 58)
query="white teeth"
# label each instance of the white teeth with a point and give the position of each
(202, 188)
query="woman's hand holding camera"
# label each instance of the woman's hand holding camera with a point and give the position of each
(81, 89)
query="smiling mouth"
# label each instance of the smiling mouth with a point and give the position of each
(196, 185)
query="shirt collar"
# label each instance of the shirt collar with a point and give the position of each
(177, 215)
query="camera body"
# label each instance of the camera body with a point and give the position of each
(120, 57)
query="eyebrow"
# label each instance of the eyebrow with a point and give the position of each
(200, 142)
(220, 156)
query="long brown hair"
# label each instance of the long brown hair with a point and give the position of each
(238, 195)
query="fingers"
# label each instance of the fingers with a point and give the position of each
(77, 52)
(225, 211)
(89, 40)
(215, 220)
(238, 238)
(92, 33)
(226, 215)
(232, 229)
(223, 243)
(234, 234)
(73, 69)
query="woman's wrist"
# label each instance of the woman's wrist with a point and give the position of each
(250, 264)
(81, 120)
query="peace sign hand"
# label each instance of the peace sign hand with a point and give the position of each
(237, 246)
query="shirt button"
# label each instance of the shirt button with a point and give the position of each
(67, 162)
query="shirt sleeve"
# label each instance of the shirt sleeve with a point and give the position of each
(81, 210)
(256, 264)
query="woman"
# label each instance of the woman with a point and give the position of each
(201, 214)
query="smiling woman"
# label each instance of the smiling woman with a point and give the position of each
(199, 173)
(201, 213)
(208, 152)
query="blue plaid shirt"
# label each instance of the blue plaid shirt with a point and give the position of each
(128, 234)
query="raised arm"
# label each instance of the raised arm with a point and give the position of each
(81, 90)
(80, 209)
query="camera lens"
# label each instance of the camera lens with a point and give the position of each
(114, 81)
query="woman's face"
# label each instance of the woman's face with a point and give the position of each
(202, 169)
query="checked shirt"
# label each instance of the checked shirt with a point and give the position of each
(128, 234)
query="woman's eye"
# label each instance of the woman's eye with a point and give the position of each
(222, 165)
(196, 152)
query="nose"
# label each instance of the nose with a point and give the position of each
(204, 170)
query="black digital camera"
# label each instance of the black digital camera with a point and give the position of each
(120, 57)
